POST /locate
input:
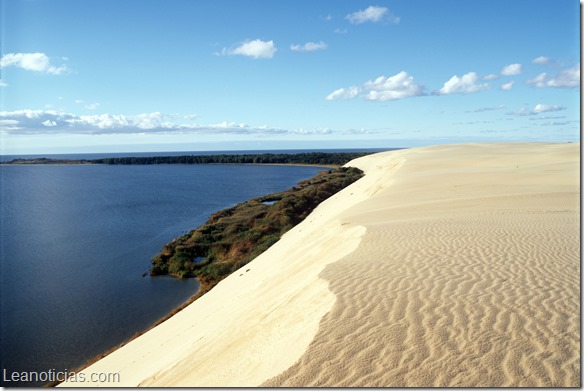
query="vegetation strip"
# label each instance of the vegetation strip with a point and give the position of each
(233, 237)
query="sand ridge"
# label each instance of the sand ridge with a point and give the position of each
(469, 279)
(449, 265)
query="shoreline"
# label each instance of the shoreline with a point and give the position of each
(306, 301)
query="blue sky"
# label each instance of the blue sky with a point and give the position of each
(166, 75)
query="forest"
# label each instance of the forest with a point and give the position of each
(317, 158)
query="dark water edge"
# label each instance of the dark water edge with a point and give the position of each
(60, 305)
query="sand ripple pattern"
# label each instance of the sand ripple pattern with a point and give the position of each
(459, 301)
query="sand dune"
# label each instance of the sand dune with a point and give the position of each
(445, 266)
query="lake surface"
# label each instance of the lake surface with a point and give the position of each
(77, 239)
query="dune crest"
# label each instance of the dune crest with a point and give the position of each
(468, 276)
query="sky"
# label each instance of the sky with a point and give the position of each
(196, 75)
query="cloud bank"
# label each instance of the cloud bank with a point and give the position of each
(55, 122)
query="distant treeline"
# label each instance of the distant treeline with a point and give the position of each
(313, 158)
(324, 158)
(44, 160)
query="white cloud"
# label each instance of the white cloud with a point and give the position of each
(539, 108)
(568, 78)
(383, 88)
(462, 85)
(507, 86)
(372, 14)
(36, 62)
(491, 76)
(256, 49)
(547, 61)
(228, 125)
(343, 93)
(340, 31)
(309, 47)
(395, 87)
(541, 60)
(511, 70)
(3, 84)
(49, 123)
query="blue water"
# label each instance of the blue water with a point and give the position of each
(76, 241)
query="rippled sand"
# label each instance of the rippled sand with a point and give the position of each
(445, 266)
(468, 275)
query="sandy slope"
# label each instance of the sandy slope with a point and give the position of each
(445, 266)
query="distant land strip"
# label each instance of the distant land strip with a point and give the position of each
(305, 158)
